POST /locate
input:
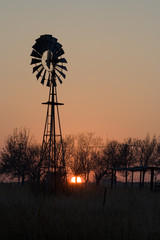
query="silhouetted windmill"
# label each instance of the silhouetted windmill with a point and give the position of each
(49, 66)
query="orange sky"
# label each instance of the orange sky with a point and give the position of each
(113, 52)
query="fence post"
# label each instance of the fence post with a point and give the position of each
(104, 198)
(152, 176)
(112, 180)
(132, 179)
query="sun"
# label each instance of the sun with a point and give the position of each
(76, 180)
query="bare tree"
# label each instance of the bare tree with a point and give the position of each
(87, 147)
(79, 153)
(19, 157)
(100, 166)
(99, 162)
(112, 152)
(68, 151)
(147, 152)
(105, 158)
(157, 160)
(34, 168)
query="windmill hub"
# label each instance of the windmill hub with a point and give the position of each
(47, 61)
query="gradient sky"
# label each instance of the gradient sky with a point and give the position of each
(113, 52)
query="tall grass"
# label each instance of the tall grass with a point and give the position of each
(79, 214)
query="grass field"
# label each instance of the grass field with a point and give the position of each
(79, 214)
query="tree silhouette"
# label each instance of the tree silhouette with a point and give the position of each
(19, 157)
(147, 152)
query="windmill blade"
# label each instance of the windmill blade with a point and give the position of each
(44, 42)
(63, 67)
(43, 78)
(52, 45)
(60, 52)
(39, 73)
(52, 48)
(47, 44)
(59, 79)
(46, 37)
(35, 54)
(39, 47)
(54, 40)
(58, 45)
(34, 60)
(36, 67)
(62, 60)
(48, 40)
(63, 75)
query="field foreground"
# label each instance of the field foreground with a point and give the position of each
(79, 214)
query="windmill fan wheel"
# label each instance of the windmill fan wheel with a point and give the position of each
(47, 60)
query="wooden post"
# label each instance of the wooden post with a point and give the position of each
(152, 176)
(104, 198)
(143, 178)
(126, 178)
(132, 179)
(140, 180)
(115, 179)
(112, 180)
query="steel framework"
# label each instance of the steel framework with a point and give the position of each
(52, 145)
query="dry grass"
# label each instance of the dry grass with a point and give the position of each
(79, 215)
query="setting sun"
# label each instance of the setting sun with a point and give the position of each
(76, 180)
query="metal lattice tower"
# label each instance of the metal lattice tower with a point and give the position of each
(49, 65)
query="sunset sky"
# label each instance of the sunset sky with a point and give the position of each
(113, 52)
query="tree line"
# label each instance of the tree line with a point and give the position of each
(84, 154)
